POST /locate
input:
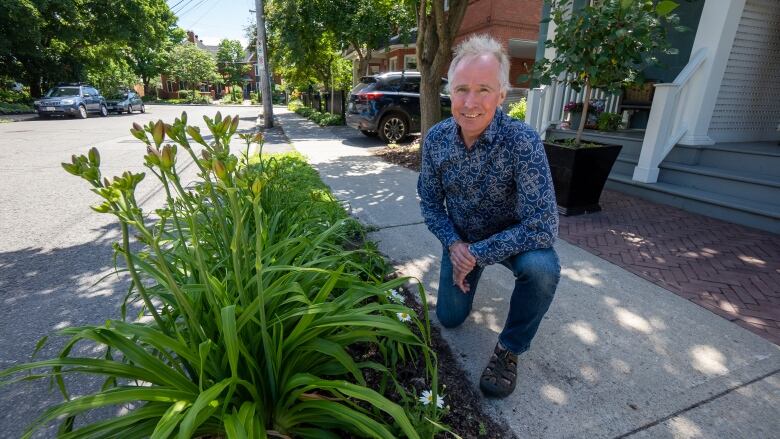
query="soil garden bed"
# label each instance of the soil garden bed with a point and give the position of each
(466, 416)
(406, 155)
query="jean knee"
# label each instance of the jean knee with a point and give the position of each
(540, 267)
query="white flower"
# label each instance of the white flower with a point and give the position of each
(427, 398)
(403, 316)
(395, 296)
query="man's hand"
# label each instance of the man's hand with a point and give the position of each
(462, 264)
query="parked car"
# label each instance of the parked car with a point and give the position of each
(388, 105)
(75, 99)
(125, 101)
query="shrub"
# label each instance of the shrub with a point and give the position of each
(294, 105)
(14, 108)
(185, 94)
(609, 121)
(517, 109)
(258, 320)
(15, 97)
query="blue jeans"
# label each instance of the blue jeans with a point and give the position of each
(536, 276)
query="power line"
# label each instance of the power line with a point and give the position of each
(182, 6)
(194, 7)
(177, 4)
(204, 14)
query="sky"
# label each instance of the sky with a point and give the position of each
(213, 20)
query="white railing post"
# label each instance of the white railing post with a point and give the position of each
(532, 108)
(657, 133)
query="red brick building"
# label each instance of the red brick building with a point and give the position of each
(515, 23)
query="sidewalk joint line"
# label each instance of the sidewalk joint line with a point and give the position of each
(698, 404)
(400, 225)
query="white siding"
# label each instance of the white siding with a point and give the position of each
(748, 105)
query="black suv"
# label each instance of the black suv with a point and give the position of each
(72, 99)
(388, 105)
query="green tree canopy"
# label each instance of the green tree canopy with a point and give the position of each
(44, 42)
(308, 37)
(230, 61)
(192, 65)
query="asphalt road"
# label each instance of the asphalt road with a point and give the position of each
(54, 248)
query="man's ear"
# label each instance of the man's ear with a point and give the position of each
(502, 95)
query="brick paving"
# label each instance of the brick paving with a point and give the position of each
(731, 270)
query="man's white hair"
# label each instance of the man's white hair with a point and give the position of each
(477, 45)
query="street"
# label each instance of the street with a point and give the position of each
(54, 248)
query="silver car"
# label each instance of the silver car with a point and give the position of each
(126, 102)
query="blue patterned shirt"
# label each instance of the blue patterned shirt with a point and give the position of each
(498, 196)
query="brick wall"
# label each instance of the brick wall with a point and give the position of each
(502, 19)
(398, 54)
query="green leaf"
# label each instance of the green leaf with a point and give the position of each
(230, 337)
(205, 399)
(665, 7)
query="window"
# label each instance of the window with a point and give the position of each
(393, 64)
(411, 85)
(410, 62)
(169, 86)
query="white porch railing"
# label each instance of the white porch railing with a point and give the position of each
(671, 115)
(545, 104)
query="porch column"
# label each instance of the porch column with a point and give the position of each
(716, 31)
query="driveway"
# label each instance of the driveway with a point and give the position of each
(54, 248)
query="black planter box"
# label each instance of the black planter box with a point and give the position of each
(579, 175)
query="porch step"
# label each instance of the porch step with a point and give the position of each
(753, 157)
(761, 188)
(735, 209)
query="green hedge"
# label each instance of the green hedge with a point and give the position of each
(322, 119)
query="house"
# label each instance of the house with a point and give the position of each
(710, 143)
(515, 23)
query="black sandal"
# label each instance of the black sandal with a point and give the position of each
(500, 376)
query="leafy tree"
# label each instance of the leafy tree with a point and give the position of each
(192, 65)
(606, 44)
(436, 30)
(230, 61)
(149, 57)
(44, 41)
(309, 36)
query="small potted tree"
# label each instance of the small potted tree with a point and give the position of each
(603, 45)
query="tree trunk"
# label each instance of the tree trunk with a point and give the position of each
(145, 81)
(584, 118)
(436, 29)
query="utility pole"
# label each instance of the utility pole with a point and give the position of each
(262, 55)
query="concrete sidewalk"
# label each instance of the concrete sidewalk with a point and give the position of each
(616, 355)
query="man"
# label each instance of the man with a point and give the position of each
(487, 195)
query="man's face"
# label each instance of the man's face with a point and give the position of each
(475, 93)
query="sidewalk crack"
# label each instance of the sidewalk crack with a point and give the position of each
(693, 406)
(399, 225)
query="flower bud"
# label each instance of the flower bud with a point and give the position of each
(194, 132)
(166, 157)
(234, 125)
(258, 138)
(158, 132)
(94, 157)
(219, 169)
(257, 186)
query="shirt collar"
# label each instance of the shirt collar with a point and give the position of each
(490, 132)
